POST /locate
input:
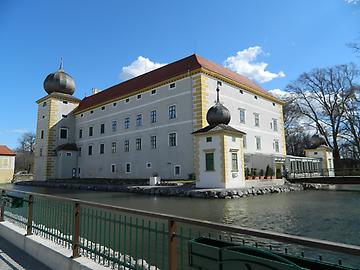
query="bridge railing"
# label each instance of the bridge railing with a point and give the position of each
(124, 238)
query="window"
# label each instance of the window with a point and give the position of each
(42, 135)
(242, 116)
(275, 124)
(127, 122)
(172, 112)
(209, 161)
(172, 85)
(153, 92)
(64, 116)
(138, 120)
(44, 104)
(103, 108)
(91, 131)
(68, 154)
(241, 91)
(114, 125)
(208, 139)
(255, 97)
(315, 153)
(102, 148)
(126, 146)
(114, 104)
(65, 102)
(90, 150)
(256, 119)
(63, 133)
(102, 128)
(79, 171)
(138, 96)
(43, 116)
(113, 147)
(172, 139)
(41, 152)
(244, 141)
(177, 170)
(127, 100)
(148, 165)
(258, 143)
(128, 167)
(91, 112)
(80, 133)
(153, 116)
(273, 104)
(113, 168)
(138, 144)
(82, 115)
(233, 139)
(153, 142)
(234, 162)
(276, 145)
(79, 149)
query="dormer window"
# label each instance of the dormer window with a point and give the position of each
(172, 85)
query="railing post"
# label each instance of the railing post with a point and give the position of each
(172, 245)
(30, 215)
(76, 232)
(2, 207)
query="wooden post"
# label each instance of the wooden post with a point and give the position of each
(76, 232)
(30, 215)
(172, 245)
(2, 207)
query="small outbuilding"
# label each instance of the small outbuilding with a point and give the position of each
(7, 164)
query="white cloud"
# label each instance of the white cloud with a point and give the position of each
(140, 66)
(277, 92)
(353, 2)
(244, 63)
(13, 131)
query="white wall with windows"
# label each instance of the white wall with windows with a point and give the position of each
(154, 128)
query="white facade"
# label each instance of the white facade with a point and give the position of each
(124, 139)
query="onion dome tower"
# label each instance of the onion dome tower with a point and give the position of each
(216, 146)
(218, 114)
(59, 82)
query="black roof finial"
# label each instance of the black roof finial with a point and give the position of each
(61, 64)
(217, 91)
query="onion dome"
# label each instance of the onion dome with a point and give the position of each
(316, 141)
(59, 82)
(218, 114)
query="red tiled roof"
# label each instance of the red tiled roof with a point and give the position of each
(166, 72)
(5, 151)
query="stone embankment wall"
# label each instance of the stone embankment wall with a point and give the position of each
(172, 190)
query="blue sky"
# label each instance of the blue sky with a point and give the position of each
(101, 42)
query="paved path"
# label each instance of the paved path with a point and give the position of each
(12, 258)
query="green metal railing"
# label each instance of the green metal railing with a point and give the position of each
(123, 238)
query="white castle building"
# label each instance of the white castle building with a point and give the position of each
(143, 127)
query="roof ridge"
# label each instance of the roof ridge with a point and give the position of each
(167, 72)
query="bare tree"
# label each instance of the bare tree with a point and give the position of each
(323, 95)
(25, 152)
(355, 46)
(297, 137)
(351, 134)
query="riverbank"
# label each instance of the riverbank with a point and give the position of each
(172, 190)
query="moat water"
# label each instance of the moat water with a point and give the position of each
(328, 215)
